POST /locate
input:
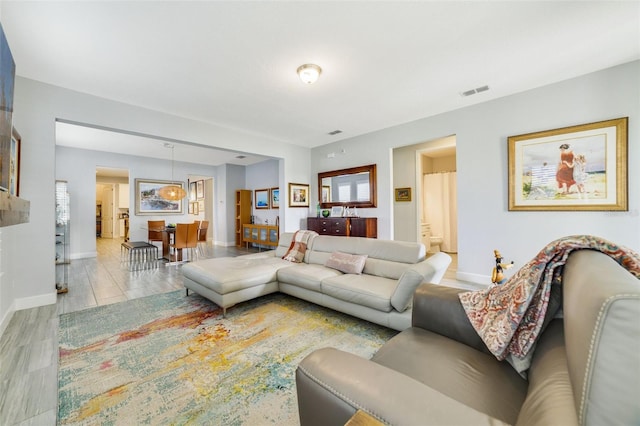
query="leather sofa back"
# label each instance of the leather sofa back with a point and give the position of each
(601, 306)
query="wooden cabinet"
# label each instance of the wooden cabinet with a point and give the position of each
(344, 226)
(328, 226)
(364, 227)
(243, 212)
(263, 235)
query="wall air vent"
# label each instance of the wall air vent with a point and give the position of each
(335, 132)
(474, 91)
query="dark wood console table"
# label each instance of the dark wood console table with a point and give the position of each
(344, 226)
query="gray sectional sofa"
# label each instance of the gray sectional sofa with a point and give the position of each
(585, 368)
(382, 293)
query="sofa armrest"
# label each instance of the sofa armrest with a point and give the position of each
(430, 270)
(438, 309)
(333, 384)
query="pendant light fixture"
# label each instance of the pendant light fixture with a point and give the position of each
(173, 191)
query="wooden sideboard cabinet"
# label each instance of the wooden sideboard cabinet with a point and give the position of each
(344, 226)
(265, 235)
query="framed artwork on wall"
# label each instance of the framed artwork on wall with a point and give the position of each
(261, 198)
(14, 163)
(326, 194)
(403, 194)
(275, 198)
(148, 202)
(298, 195)
(581, 167)
(200, 189)
(192, 191)
(193, 207)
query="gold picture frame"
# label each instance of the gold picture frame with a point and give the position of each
(581, 167)
(298, 195)
(275, 198)
(403, 194)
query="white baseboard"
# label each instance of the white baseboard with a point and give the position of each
(484, 280)
(224, 243)
(85, 255)
(35, 301)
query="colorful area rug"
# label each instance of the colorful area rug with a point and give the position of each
(171, 359)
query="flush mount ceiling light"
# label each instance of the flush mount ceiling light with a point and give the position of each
(309, 73)
(172, 192)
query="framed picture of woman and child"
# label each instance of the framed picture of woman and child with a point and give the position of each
(581, 167)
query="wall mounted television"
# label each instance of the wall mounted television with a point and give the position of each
(7, 82)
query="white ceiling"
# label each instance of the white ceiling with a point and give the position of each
(384, 63)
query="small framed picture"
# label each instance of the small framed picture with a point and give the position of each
(200, 189)
(403, 194)
(275, 198)
(192, 191)
(194, 208)
(261, 198)
(336, 211)
(200, 206)
(298, 195)
(326, 194)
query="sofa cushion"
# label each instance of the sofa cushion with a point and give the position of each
(227, 274)
(458, 371)
(550, 395)
(366, 290)
(306, 276)
(347, 263)
(395, 251)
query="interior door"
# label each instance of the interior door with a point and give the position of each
(107, 211)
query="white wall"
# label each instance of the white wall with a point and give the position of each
(36, 108)
(263, 175)
(484, 222)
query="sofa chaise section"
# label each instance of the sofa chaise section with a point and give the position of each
(381, 293)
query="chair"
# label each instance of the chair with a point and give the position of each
(192, 238)
(202, 236)
(179, 241)
(155, 230)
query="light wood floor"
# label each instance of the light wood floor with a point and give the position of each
(29, 345)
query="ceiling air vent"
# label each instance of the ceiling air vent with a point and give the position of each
(474, 91)
(240, 157)
(335, 132)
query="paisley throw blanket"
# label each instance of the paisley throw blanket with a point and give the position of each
(509, 317)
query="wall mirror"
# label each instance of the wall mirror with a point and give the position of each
(353, 187)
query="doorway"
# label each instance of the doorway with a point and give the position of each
(436, 186)
(201, 201)
(112, 203)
